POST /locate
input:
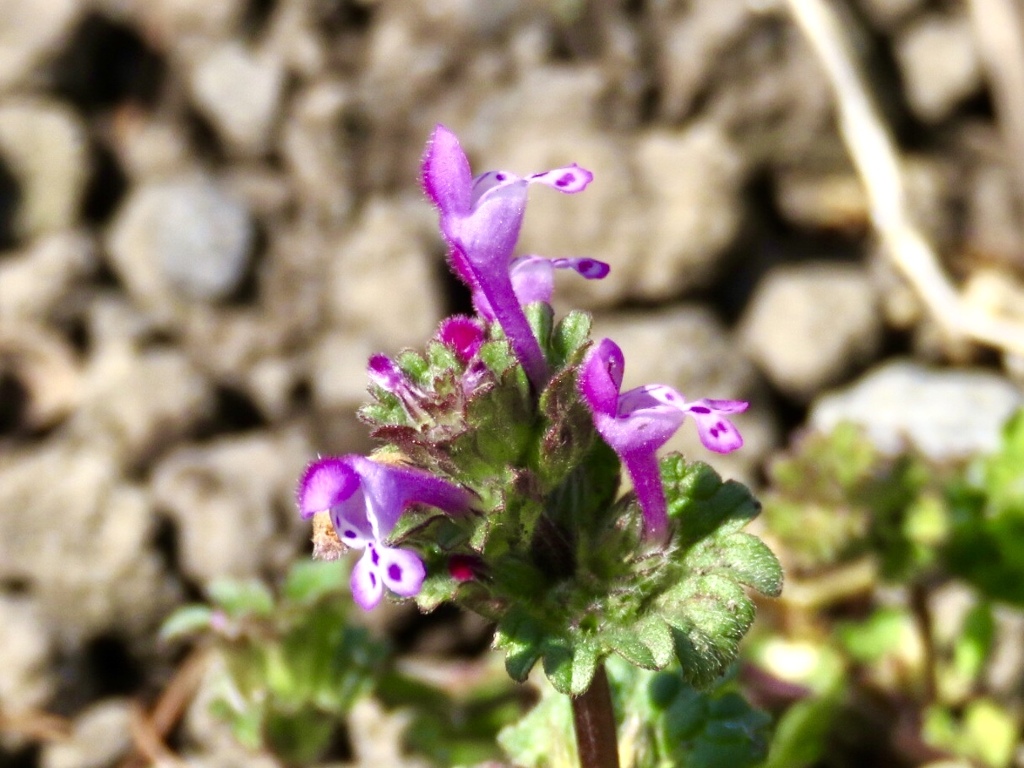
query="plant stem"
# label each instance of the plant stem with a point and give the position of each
(594, 720)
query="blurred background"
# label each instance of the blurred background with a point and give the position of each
(210, 217)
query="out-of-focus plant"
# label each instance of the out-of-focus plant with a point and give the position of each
(871, 653)
(664, 723)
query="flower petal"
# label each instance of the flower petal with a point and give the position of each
(445, 174)
(390, 489)
(326, 483)
(569, 179)
(351, 521)
(367, 587)
(533, 279)
(592, 269)
(600, 377)
(401, 570)
(716, 432)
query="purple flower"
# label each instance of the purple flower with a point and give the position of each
(365, 498)
(638, 422)
(480, 220)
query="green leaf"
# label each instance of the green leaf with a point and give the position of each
(570, 339)
(309, 581)
(520, 637)
(241, 598)
(185, 621)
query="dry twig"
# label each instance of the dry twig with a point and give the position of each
(877, 162)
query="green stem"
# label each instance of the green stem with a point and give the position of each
(594, 720)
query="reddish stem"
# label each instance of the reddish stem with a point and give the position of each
(594, 720)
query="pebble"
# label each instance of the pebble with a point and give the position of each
(946, 414)
(224, 498)
(808, 325)
(180, 240)
(239, 90)
(82, 541)
(30, 30)
(939, 64)
(45, 145)
(26, 677)
(691, 183)
(36, 280)
(101, 734)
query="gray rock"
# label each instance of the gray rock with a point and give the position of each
(239, 91)
(688, 349)
(180, 239)
(808, 325)
(81, 539)
(101, 735)
(29, 31)
(44, 144)
(939, 63)
(946, 414)
(26, 678)
(225, 498)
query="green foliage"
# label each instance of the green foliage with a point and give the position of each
(293, 666)
(663, 723)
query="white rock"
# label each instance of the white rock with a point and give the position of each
(81, 538)
(315, 155)
(101, 734)
(946, 414)
(338, 370)
(690, 189)
(239, 90)
(224, 498)
(35, 281)
(29, 31)
(45, 145)
(180, 239)
(939, 63)
(382, 280)
(808, 324)
(140, 403)
(45, 365)
(26, 676)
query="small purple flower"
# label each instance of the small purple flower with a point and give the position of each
(480, 220)
(638, 422)
(365, 498)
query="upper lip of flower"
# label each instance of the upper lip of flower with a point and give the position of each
(480, 219)
(333, 483)
(365, 499)
(638, 422)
